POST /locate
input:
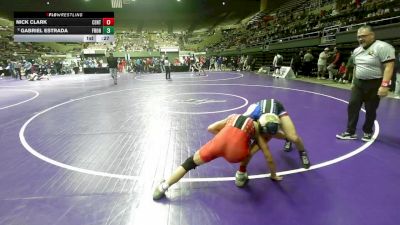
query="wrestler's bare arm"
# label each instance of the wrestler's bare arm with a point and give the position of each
(214, 128)
(268, 156)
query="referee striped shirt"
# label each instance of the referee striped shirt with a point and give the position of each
(369, 62)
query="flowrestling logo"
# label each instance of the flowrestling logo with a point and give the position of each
(193, 101)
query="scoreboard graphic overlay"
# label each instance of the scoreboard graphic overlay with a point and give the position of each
(64, 26)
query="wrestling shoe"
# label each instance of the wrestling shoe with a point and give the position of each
(287, 147)
(241, 179)
(304, 159)
(367, 137)
(346, 136)
(159, 191)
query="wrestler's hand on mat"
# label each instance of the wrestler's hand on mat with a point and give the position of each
(276, 178)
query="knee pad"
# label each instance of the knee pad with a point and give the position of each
(189, 164)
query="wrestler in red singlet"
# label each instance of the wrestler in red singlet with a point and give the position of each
(232, 142)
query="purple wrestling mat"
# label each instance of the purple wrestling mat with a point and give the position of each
(77, 149)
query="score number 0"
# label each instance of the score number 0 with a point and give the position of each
(108, 21)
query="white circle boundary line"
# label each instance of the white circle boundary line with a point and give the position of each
(129, 177)
(22, 102)
(57, 81)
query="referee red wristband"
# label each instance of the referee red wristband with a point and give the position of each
(385, 83)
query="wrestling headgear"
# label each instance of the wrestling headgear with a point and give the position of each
(269, 123)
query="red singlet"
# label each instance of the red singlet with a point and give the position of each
(232, 142)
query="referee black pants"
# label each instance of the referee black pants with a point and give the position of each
(363, 92)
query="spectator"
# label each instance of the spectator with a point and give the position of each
(296, 62)
(397, 86)
(349, 68)
(277, 63)
(167, 66)
(112, 65)
(341, 75)
(335, 64)
(307, 63)
(323, 56)
(27, 67)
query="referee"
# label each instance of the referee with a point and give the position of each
(373, 69)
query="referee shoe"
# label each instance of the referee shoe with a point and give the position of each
(367, 137)
(346, 136)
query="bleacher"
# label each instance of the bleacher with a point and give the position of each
(293, 21)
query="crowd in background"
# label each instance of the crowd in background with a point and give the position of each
(302, 17)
